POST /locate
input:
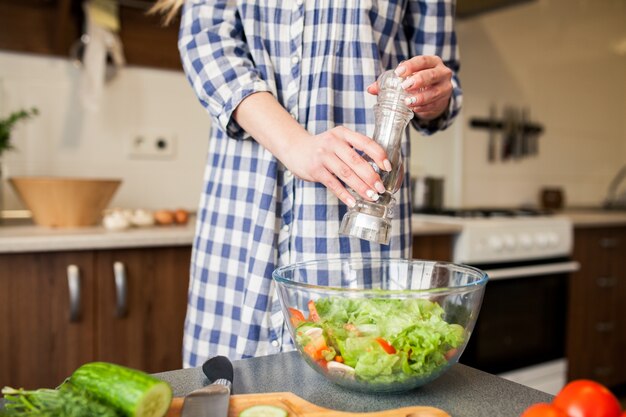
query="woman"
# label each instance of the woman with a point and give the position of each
(286, 84)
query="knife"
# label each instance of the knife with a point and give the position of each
(212, 400)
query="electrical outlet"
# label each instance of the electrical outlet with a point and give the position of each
(153, 146)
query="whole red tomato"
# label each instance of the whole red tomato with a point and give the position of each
(585, 398)
(543, 410)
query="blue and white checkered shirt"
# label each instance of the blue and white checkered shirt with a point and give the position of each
(316, 57)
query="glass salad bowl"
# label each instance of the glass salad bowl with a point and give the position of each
(380, 325)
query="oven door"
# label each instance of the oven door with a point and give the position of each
(522, 320)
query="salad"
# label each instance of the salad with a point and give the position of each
(376, 340)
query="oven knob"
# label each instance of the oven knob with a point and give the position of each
(541, 240)
(495, 243)
(525, 241)
(509, 242)
(553, 239)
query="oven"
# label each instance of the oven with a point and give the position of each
(520, 331)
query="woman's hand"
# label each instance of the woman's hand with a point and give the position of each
(326, 158)
(428, 81)
(330, 157)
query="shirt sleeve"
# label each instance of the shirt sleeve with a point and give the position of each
(429, 28)
(217, 60)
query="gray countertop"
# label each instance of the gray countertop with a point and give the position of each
(462, 391)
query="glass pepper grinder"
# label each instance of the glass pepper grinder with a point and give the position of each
(371, 220)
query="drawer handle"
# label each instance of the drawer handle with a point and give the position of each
(603, 370)
(121, 290)
(606, 282)
(609, 242)
(605, 326)
(73, 285)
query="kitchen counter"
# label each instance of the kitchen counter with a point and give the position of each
(31, 238)
(462, 391)
(420, 227)
(598, 218)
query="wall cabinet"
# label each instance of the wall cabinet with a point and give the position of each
(51, 27)
(596, 339)
(62, 309)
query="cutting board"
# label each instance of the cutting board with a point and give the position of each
(298, 407)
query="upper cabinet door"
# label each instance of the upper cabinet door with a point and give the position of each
(47, 325)
(53, 27)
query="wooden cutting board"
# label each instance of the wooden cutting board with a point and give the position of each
(298, 407)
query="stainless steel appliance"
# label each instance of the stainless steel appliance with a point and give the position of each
(520, 332)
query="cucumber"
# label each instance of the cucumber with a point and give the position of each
(131, 392)
(263, 411)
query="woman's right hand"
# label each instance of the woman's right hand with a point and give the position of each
(330, 157)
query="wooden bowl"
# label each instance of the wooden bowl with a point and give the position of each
(65, 202)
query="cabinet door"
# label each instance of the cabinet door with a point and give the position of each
(433, 247)
(145, 331)
(40, 344)
(596, 328)
(39, 26)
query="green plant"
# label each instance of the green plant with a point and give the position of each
(7, 124)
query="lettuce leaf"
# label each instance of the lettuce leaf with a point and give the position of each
(414, 327)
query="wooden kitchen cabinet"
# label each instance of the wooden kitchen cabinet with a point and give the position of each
(596, 332)
(39, 26)
(51, 27)
(433, 247)
(40, 344)
(146, 330)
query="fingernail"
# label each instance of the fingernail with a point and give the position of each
(387, 165)
(400, 70)
(379, 187)
(372, 195)
(371, 85)
(410, 100)
(407, 83)
(351, 202)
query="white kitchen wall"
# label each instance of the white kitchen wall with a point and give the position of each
(566, 61)
(67, 140)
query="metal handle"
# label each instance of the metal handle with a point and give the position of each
(73, 285)
(121, 292)
(603, 370)
(531, 271)
(605, 326)
(609, 242)
(606, 282)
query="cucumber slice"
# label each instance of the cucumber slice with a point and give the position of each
(131, 392)
(264, 411)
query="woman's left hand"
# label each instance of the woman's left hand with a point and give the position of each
(428, 81)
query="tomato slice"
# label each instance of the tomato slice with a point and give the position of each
(313, 316)
(316, 347)
(296, 316)
(386, 346)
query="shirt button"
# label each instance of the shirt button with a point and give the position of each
(294, 114)
(295, 60)
(288, 174)
(275, 343)
(285, 228)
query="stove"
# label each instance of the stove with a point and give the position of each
(526, 253)
(498, 235)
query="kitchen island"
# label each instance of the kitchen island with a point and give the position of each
(462, 391)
